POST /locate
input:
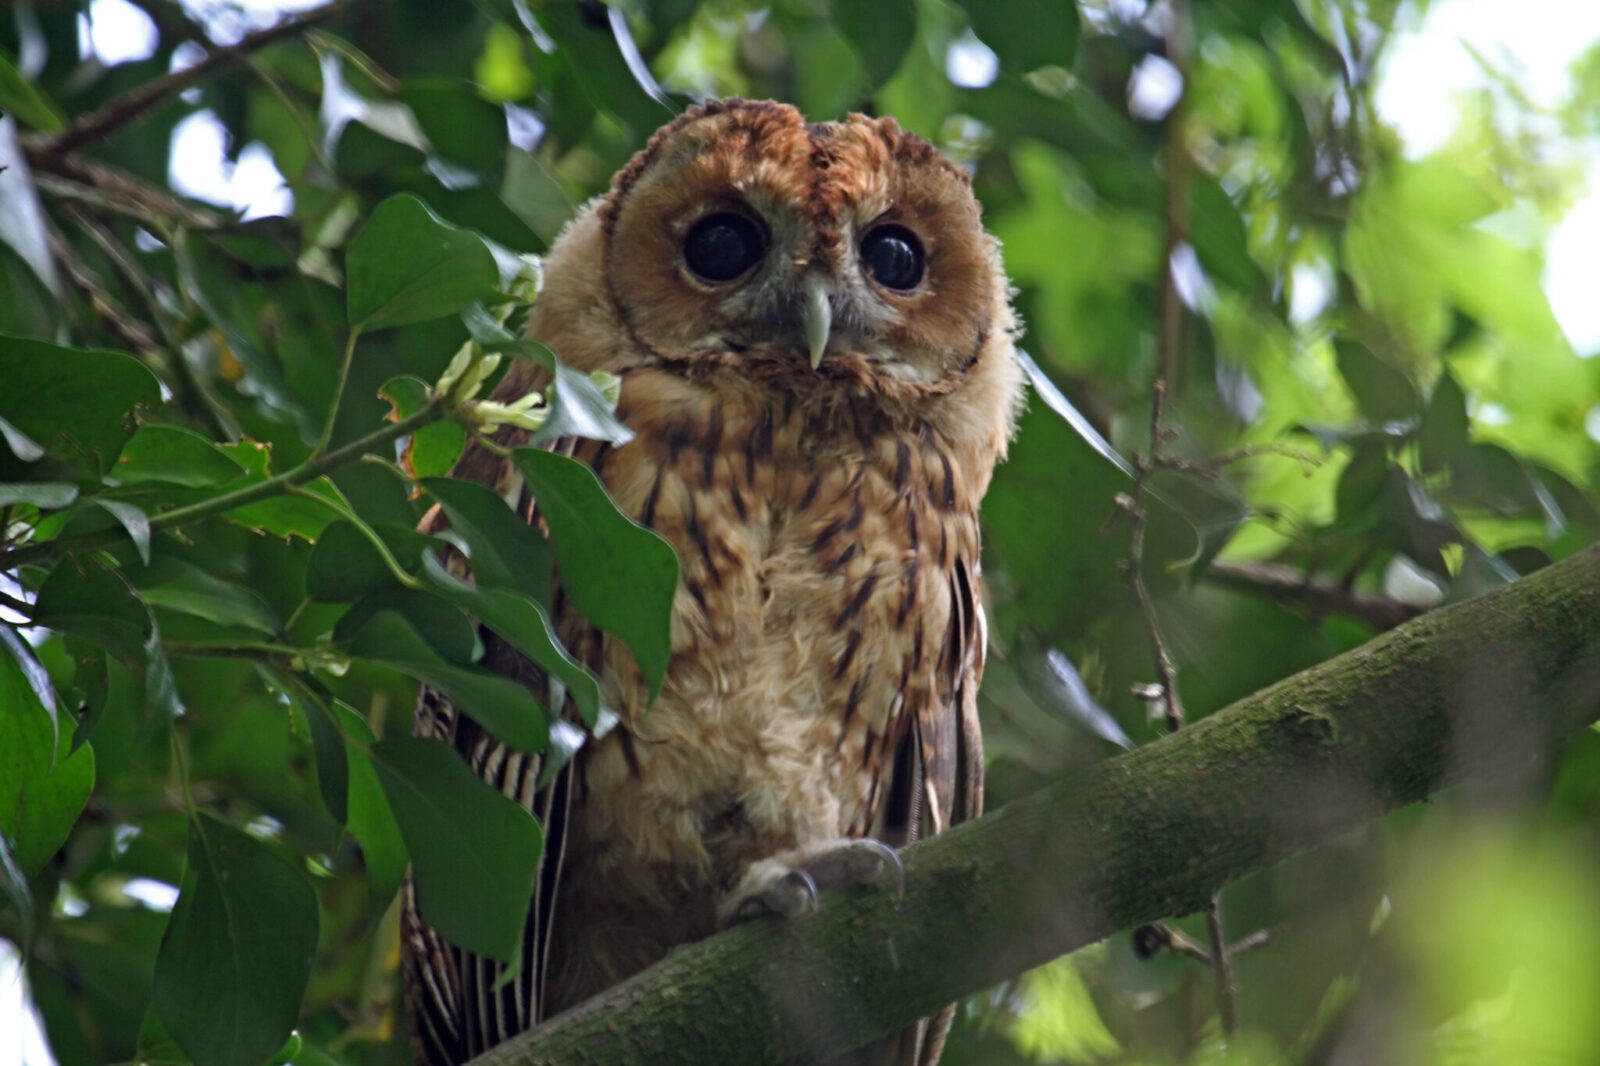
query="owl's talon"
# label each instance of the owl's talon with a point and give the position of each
(784, 896)
(858, 863)
(791, 885)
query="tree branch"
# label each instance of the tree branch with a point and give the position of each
(131, 105)
(1319, 595)
(1473, 696)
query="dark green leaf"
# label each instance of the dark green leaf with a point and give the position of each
(238, 949)
(1383, 393)
(621, 575)
(1445, 426)
(43, 783)
(880, 33)
(461, 125)
(523, 624)
(371, 818)
(408, 265)
(345, 565)
(173, 455)
(473, 850)
(1027, 34)
(499, 704)
(180, 586)
(328, 752)
(504, 550)
(72, 400)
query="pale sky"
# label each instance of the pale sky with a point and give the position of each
(1426, 66)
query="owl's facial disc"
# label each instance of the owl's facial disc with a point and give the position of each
(745, 237)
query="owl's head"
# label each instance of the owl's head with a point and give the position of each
(850, 252)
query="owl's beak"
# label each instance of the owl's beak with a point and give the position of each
(818, 317)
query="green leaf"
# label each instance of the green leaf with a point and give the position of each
(433, 449)
(181, 586)
(21, 98)
(880, 33)
(99, 606)
(45, 495)
(289, 516)
(43, 783)
(132, 519)
(173, 455)
(474, 852)
(238, 950)
(328, 753)
(1383, 393)
(345, 566)
(621, 575)
(371, 819)
(72, 400)
(504, 550)
(523, 624)
(460, 124)
(1445, 426)
(1027, 34)
(499, 704)
(409, 265)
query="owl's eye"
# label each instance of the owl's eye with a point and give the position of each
(893, 256)
(720, 247)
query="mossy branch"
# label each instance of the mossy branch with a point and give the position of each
(1475, 696)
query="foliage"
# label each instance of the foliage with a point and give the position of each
(217, 605)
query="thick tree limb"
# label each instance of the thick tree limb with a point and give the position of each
(1474, 696)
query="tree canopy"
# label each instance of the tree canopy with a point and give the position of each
(1294, 384)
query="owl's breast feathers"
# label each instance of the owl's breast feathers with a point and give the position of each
(819, 549)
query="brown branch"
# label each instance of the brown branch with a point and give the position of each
(1317, 594)
(132, 105)
(1149, 834)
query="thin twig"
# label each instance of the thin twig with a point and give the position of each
(1222, 970)
(1179, 167)
(307, 471)
(134, 333)
(1316, 594)
(133, 104)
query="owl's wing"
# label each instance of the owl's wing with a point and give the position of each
(937, 779)
(460, 1003)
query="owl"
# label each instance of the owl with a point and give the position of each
(815, 345)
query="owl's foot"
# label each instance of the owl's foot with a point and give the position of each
(790, 884)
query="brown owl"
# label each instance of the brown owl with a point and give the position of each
(815, 345)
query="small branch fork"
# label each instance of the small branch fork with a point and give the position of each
(131, 105)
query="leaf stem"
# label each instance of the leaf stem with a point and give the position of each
(338, 393)
(309, 470)
(365, 530)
